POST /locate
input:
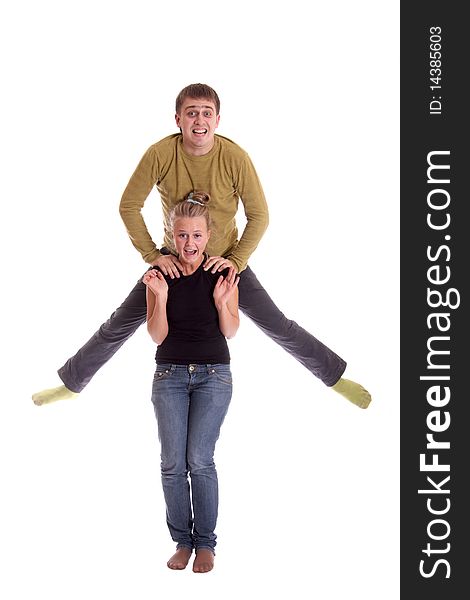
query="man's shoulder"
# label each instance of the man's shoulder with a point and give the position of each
(229, 146)
(170, 141)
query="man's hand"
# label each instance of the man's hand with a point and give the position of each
(218, 263)
(155, 281)
(169, 265)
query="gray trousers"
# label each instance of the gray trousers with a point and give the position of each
(254, 302)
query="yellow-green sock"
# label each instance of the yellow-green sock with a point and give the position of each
(352, 391)
(53, 395)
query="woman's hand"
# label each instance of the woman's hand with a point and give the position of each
(155, 281)
(156, 296)
(226, 302)
(226, 287)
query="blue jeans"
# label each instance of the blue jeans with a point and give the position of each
(190, 403)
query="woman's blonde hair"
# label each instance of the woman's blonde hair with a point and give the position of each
(193, 205)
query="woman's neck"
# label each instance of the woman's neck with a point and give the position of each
(190, 268)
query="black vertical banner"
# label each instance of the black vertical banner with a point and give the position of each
(435, 268)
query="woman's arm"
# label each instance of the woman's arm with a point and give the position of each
(157, 295)
(226, 302)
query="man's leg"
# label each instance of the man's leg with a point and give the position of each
(256, 304)
(77, 372)
(80, 368)
(325, 364)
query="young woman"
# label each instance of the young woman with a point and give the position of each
(190, 317)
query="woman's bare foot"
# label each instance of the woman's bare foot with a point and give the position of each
(204, 561)
(180, 559)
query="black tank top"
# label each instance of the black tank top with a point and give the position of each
(194, 335)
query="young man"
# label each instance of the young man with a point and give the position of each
(197, 158)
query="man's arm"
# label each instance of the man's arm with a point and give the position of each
(255, 206)
(139, 187)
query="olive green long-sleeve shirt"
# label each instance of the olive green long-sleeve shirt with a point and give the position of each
(225, 172)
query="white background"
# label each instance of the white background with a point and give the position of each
(309, 483)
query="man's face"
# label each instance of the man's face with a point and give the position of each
(198, 121)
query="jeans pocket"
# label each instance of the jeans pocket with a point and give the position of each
(162, 372)
(222, 373)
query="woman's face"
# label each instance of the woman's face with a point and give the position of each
(190, 236)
